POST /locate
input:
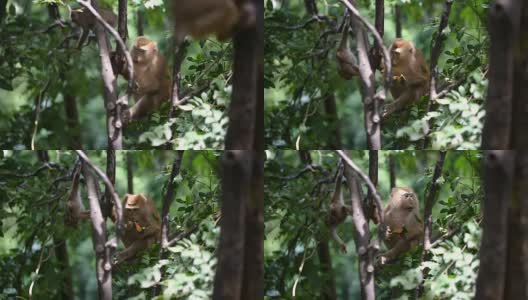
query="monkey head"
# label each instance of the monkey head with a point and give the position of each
(143, 50)
(403, 202)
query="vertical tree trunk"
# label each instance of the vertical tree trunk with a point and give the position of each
(130, 173)
(61, 251)
(397, 20)
(497, 180)
(334, 138)
(111, 174)
(242, 110)
(325, 262)
(504, 29)
(520, 85)
(236, 174)
(361, 237)
(392, 173)
(102, 255)
(253, 279)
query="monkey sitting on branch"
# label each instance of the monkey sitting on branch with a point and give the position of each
(338, 210)
(142, 225)
(152, 78)
(403, 223)
(410, 75)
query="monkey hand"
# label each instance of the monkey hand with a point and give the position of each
(399, 78)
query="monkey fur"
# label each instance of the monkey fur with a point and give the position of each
(142, 225)
(199, 18)
(347, 64)
(403, 223)
(86, 21)
(410, 75)
(151, 76)
(338, 211)
(74, 206)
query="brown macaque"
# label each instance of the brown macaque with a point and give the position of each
(86, 21)
(151, 76)
(403, 223)
(74, 206)
(142, 225)
(410, 75)
(347, 64)
(338, 211)
(200, 18)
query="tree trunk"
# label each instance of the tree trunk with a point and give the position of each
(325, 262)
(497, 180)
(236, 176)
(503, 28)
(334, 139)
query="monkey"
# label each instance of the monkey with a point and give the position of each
(151, 76)
(74, 207)
(86, 21)
(338, 211)
(347, 64)
(403, 223)
(410, 75)
(142, 225)
(200, 18)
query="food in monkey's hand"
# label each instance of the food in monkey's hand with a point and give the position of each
(142, 225)
(86, 21)
(151, 76)
(410, 75)
(200, 18)
(403, 223)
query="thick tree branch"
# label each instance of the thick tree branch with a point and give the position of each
(110, 186)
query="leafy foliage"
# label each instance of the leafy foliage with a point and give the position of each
(296, 231)
(42, 70)
(301, 77)
(32, 218)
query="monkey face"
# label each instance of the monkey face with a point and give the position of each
(133, 202)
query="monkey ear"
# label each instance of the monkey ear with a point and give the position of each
(143, 197)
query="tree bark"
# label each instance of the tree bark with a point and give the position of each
(334, 139)
(503, 28)
(361, 237)
(498, 178)
(236, 176)
(103, 267)
(242, 110)
(520, 86)
(130, 173)
(325, 262)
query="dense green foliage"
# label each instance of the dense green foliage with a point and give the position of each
(40, 67)
(32, 221)
(302, 72)
(297, 206)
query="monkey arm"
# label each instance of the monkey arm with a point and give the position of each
(401, 246)
(338, 240)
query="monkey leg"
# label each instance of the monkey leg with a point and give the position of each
(405, 99)
(132, 250)
(401, 246)
(146, 104)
